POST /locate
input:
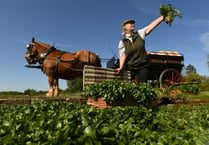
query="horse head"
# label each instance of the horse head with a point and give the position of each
(35, 51)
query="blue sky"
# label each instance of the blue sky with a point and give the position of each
(94, 25)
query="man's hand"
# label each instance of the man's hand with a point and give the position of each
(119, 70)
(121, 63)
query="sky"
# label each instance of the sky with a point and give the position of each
(94, 25)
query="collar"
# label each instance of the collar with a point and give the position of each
(129, 35)
(43, 55)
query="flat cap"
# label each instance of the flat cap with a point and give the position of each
(127, 21)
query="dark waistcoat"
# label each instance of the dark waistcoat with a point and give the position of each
(136, 55)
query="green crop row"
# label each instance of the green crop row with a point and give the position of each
(188, 88)
(113, 91)
(66, 123)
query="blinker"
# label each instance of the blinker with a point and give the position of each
(28, 46)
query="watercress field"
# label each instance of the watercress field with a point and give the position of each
(67, 123)
(59, 122)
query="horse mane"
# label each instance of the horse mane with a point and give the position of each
(44, 43)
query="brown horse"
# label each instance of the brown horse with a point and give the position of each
(59, 64)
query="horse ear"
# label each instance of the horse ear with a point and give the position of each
(33, 40)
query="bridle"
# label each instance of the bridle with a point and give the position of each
(30, 47)
(31, 55)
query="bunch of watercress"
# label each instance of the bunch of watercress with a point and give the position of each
(169, 13)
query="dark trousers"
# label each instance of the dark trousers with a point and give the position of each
(140, 75)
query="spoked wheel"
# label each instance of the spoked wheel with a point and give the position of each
(170, 77)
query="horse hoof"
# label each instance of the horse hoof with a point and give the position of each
(48, 95)
(56, 94)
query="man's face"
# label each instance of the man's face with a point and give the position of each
(129, 27)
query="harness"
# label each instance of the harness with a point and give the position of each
(44, 55)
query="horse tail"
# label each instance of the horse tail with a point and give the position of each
(97, 60)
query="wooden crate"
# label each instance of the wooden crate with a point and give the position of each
(92, 74)
(101, 104)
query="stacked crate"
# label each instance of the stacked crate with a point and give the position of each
(92, 74)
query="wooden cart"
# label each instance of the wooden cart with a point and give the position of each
(165, 68)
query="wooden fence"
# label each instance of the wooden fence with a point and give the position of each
(92, 74)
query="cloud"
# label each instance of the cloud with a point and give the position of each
(147, 6)
(199, 23)
(65, 47)
(204, 39)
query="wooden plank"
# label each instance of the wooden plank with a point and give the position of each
(164, 61)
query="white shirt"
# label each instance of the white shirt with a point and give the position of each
(121, 47)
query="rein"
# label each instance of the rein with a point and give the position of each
(58, 60)
(45, 54)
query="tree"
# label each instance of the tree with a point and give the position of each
(190, 69)
(202, 81)
(30, 92)
(192, 77)
(204, 85)
(208, 61)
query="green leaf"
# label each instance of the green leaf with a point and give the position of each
(105, 130)
(169, 13)
(6, 123)
(90, 131)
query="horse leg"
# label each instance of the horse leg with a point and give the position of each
(51, 89)
(56, 86)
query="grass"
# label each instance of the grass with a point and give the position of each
(201, 95)
(40, 96)
(68, 94)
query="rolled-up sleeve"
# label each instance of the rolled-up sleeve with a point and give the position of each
(121, 48)
(142, 32)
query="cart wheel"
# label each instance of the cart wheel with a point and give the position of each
(169, 77)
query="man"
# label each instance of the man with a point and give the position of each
(133, 55)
